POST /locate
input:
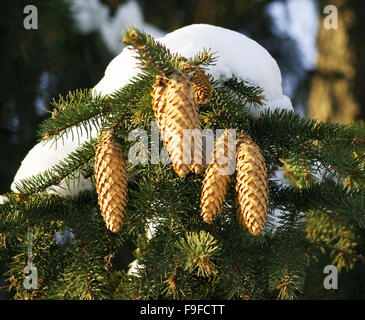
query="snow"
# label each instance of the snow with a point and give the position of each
(3, 199)
(46, 154)
(41, 99)
(91, 16)
(237, 56)
(118, 73)
(64, 236)
(299, 20)
(128, 14)
(134, 268)
(151, 229)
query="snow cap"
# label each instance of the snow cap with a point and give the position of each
(46, 154)
(237, 55)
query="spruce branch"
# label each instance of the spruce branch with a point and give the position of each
(289, 123)
(246, 92)
(357, 257)
(130, 104)
(199, 251)
(288, 274)
(155, 58)
(79, 109)
(326, 146)
(344, 204)
(224, 109)
(70, 166)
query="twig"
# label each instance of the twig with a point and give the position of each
(356, 256)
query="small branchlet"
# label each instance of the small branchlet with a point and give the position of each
(155, 58)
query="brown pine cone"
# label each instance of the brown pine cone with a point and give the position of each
(181, 121)
(159, 102)
(217, 178)
(200, 81)
(252, 186)
(111, 181)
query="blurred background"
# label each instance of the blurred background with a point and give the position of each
(323, 69)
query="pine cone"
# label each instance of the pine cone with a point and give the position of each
(217, 177)
(252, 186)
(181, 117)
(111, 181)
(200, 81)
(159, 103)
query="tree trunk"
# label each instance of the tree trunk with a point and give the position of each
(334, 95)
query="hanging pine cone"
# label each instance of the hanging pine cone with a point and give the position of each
(217, 177)
(179, 116)
(111, 181)
(200, 81)
(252, 186)
(159, 103)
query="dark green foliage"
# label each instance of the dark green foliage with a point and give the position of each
(35, 67)
(185, 258)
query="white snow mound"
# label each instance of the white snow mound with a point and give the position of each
(44, 155)
(3, 199)
(237, 55)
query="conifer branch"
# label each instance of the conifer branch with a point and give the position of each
(199, 251)
(73, 163)
(78, 109)
(345, 204)
(82, 110)
(283, 122)
(156, 58)
(246, 92)
(357, 257)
